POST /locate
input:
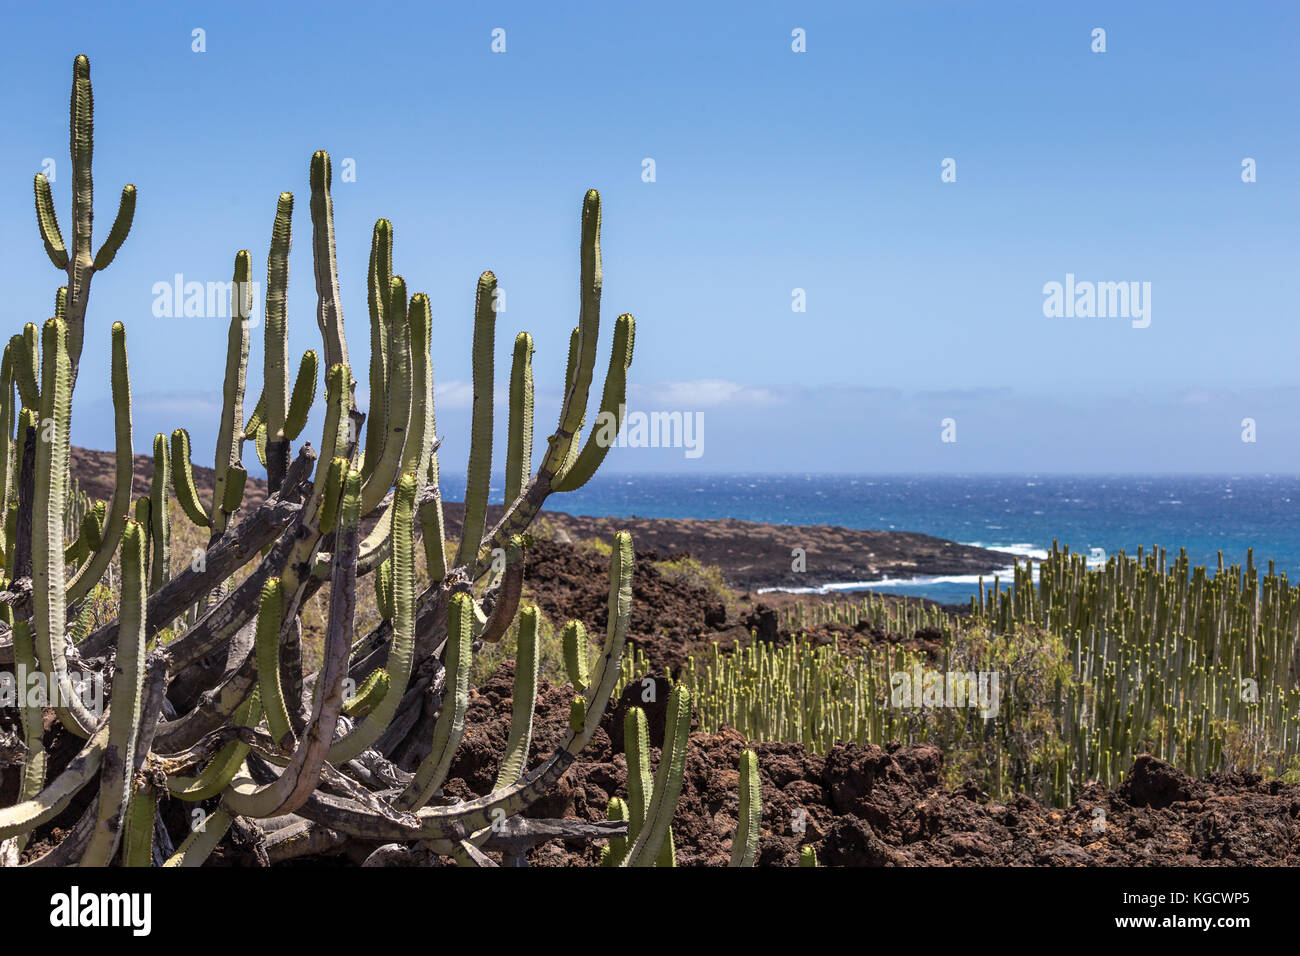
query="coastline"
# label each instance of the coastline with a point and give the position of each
(753, 556)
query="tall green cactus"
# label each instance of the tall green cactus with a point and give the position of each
(79, 262)
(244, 725)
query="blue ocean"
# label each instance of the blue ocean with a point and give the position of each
(1096, 515)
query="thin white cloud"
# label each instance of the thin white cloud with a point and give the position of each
(460, 394)
(178, 402)
(453, 394)
(703, 393)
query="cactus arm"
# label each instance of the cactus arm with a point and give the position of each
(270, 622)
(183, 479)
(35, 758)
(384, 590)
(142, 517)
(230, 431)
(137, 835)
(329, 309)
(577, 714)
(640, 783)
(124, 707)
(304, 393)
(523, 703)
(611, 655)
(329, 509)
(479, 473)
(574, 407)
(398, 416)
(29, 814)
(519, 430)
(18, 542)
(68, 851)
(292, 788)
(92, 525)
(465, 853)
(372, 690)
(808, 856)
(451, 722)
(49, 594)
(8, 418)
(508, 594)
(419, 440)
(334, 444)
(415, 447)
(379, 278)
(275, 390)
(89, 574)
(216, 776)
(432, 526)
(611, 854)
(744, 845)
(473, 815)
(668, 782)
(275, 368)
(613, 406)
(81, 266)
(32, 336)
(25, 363)
(401, 654)
(257, 419)
(575, 352)
(436, 823)
(573, 640)
(82, 148)
(48, 223)
(198, 846)
(233, 496)
(120, 228)
(160, 522)
(92, 528)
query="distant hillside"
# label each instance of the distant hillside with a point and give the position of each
(93, 471)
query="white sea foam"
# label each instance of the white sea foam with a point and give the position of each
(1020, 550)
(901, 583)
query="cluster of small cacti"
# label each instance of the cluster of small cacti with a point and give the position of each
(75, 510)
(1096, 665)
(635, 667)
(890, 616)
(223, 714)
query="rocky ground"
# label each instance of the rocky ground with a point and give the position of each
(873, 806)
(859, 806)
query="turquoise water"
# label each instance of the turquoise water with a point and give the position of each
(1022, 514)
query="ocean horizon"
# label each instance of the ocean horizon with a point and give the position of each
(1018, 514)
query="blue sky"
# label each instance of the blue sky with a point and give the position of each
(775, 170)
